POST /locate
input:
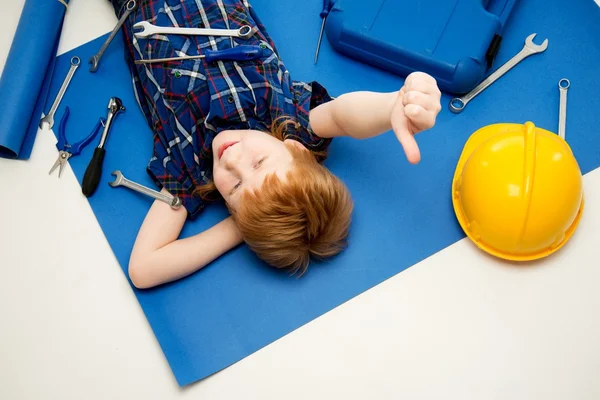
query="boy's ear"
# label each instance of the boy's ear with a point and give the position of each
(295, 143)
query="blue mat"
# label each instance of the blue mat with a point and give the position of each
(403, 213)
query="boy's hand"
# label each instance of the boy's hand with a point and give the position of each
(416, 109)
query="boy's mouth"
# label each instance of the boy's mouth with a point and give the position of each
(224, 147)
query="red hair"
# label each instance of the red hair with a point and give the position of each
(286, 223)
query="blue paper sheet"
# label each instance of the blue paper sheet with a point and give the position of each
(26, 75)
(403, 213)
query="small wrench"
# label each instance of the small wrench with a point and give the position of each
(95, 60)
(563, 87)
(49, 118)
(120, 180)
(149, 29)
(458, 104)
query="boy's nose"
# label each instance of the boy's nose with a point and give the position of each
(232, 161)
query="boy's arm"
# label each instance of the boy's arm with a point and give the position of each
(361, 115)
(159, 257)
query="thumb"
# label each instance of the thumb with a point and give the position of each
(400, 125)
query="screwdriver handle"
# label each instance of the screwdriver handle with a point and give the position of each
(92, 175)
(237, 53)
(327, 4)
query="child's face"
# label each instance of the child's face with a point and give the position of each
(242, 160)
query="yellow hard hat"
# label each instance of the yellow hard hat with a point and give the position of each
(517, 191)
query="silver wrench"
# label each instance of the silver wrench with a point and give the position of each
(458, 103)
(95, 60)
(120, 180)
(148, 29)
(563, 87)
(49, 118)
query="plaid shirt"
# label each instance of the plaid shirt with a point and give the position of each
(186, 103)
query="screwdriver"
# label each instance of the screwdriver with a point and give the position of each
(327, 4)
(93, 172)
(237, 53)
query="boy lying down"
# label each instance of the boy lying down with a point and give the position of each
(246, 133)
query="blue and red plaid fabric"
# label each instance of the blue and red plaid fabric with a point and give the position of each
(186, 103)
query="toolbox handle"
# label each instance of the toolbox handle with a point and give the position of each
(500, 8)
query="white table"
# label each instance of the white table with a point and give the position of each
(458, 325)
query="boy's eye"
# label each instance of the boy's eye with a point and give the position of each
(236, 187)
(258, 164)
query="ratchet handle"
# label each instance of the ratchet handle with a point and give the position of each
(92, 175)
(238, 53)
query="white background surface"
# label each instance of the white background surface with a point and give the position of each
(459, 325)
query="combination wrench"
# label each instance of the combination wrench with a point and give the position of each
(95, 59)
(120, 180)
(148, 29)
(458, 103)
(49, 118)
(563, 87)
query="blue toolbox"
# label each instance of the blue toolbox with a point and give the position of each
(455, 41)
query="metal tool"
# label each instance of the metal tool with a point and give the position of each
(530, 48)
(148, 29)
(563, 87)
(49, 118)
(95, 60)
(66, 150)
(120, 180)
(327, 5)
(238, 53)
(92, 175)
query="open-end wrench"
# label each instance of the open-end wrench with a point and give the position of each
(120, 180)
(148, 29)
(49, 118)
(95, 60)
(458, 103)
(563, 87)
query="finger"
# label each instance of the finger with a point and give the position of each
(421, 118)
(423, 86)
(428, 102)
(422, 76)
(400, 125)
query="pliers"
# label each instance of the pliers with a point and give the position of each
(66, 150)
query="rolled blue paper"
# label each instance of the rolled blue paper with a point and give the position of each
(26, 75)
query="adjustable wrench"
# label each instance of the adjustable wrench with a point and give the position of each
(148, 29)
(563, 87)
(458, 103)
(95, 59)
(49, 118)
(120, 180)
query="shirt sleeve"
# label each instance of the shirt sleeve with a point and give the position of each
(173, 176)
(308, 96)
